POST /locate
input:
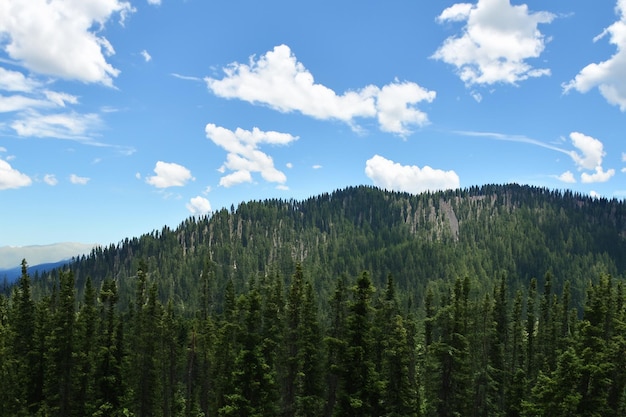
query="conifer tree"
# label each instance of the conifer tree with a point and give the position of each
(254, 387)
(358, 383)
(86, 350)
(108, 374)
(60, 365)
(21, 376)
(309, 388)
(336, 343)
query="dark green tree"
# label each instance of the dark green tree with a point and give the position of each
(359, 392)
(87, 324)
(60, 344)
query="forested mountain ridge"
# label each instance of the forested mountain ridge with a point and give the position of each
(480, 232)
(492, 301)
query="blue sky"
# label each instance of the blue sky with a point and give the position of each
(120, 117)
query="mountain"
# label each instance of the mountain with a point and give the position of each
(12, 274)
(494, 300)
(11, 256)
(484, 233)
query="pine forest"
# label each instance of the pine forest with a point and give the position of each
(500, 300)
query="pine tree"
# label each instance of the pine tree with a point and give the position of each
(399, 395)
(108, 374)
(226, 349)
(358, 383)
(254, 387)
(60, 363)
(309, 388)
(21, 375)
(293, 327)
(86, 351)
(142, 370)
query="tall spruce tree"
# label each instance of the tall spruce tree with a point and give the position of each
(359, 392)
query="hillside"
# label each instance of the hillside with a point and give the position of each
(483, 233)
(492, 301)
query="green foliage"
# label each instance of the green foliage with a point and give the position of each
(267, 310)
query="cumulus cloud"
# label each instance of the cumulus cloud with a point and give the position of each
(591, 151)
(154, 2)
(395, 106)
(199, 206)
(244, 157)
(600, 175)
(11, 177)
(75, 179)
(497, 41)
(60, 38)
(610, 75)
(279, 81)
(567, 177)
(409, 178)
(169, 175)
(589, 156)
(50, 179)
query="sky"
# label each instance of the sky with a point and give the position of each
(120, 117)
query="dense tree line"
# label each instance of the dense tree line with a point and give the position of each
(482, 232)
(264, 310)
(269, 351)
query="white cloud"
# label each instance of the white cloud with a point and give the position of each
(410, 178)
(17, 102)
(395, 105)
(75, 179)
(477, 96)
(317, 166)
(496, 42)
(11, 177)
(60, 38)
(169, 175)
(598, 176)
(591, 151)
(71, 125)
(279, 81)
(146, 56)
(289, 165)
(235, 178)
(567, 177)
(244, 156)
(50, 179)
(589, 157)
(154, 2)
(199, 206)
(16, 81)
(60, 99)
(610, 75)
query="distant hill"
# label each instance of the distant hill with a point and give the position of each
(12, 274)
(483, 233)
(11, 256)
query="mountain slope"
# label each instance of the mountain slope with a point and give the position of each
(481, 232)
